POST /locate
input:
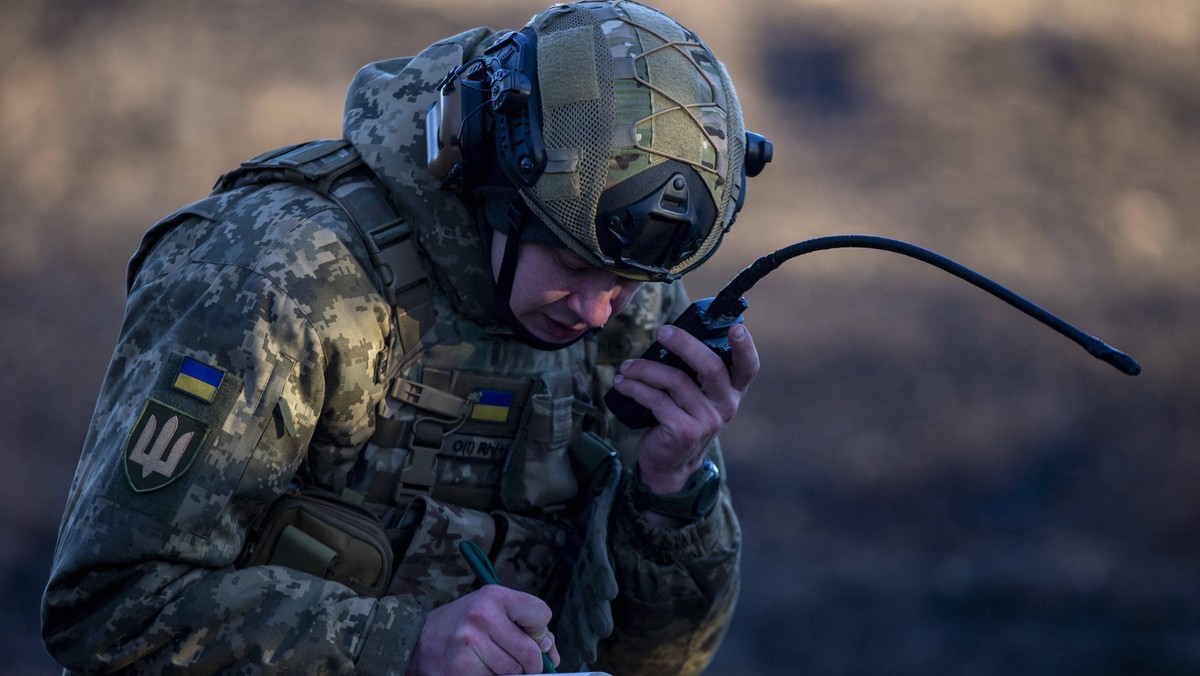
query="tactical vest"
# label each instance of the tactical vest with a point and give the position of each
(478, 437)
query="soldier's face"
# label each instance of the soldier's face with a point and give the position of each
(557, 295)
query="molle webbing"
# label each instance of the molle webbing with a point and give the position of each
(452, 407)
(334, 169)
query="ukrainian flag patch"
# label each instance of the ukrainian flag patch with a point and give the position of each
(493, 406)
(199, 380)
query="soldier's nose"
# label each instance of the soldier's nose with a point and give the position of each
(592, 308)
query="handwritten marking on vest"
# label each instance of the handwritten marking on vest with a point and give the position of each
(479, 447)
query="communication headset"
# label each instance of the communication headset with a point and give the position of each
(504, 82)
(458, 131)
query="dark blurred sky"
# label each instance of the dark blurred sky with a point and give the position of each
(928, 481)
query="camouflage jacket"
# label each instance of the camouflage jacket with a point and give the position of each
(250, 359)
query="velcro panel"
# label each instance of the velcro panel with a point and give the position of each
(567, 67)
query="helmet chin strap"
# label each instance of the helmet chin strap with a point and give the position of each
(518, 214)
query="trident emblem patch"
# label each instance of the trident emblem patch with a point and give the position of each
(161, 446)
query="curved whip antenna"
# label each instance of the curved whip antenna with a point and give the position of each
(729, 300)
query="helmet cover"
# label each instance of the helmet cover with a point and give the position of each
(624, 89)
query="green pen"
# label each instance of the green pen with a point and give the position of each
(483, 568)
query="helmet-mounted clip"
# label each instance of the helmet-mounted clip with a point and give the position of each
(458, 129)
(759, 152)
(647, 224)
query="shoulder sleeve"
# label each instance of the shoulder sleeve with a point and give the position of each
(248, 347)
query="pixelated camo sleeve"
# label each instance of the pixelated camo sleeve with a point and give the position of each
(677, 593)
(240, 326)
(677, 588)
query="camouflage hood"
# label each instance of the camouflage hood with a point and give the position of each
(385, 120)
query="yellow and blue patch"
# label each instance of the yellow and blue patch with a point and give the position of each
(492, 406)
(199, 380)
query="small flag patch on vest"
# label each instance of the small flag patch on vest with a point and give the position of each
(199, 380)
(493, 406)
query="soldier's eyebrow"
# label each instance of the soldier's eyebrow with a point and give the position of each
(572, 261)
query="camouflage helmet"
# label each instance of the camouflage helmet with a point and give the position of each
(643, 138)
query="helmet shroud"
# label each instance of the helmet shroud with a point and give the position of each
(624, 90)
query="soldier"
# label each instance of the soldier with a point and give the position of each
(357, 355)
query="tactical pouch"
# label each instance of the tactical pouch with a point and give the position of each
(538, 474)
(317, 533)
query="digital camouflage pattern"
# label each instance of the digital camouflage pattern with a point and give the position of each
(385, 120)
(266, 287)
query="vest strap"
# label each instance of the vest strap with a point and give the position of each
(334, 169)
(418, 476)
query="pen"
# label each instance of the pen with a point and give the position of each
(483, 568)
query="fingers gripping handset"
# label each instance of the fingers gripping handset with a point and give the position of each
(711, 329)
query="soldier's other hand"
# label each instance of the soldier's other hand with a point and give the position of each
(689, 413)
(493, 630)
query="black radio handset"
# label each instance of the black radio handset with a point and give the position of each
(710, 319)
(712, 330)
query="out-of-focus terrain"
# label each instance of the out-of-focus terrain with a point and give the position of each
(928, 481)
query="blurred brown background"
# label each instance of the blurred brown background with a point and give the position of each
(928, 480)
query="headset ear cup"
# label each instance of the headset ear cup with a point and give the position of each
(516, 103)
(443, 149)
(488, 115)
(454, 127)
